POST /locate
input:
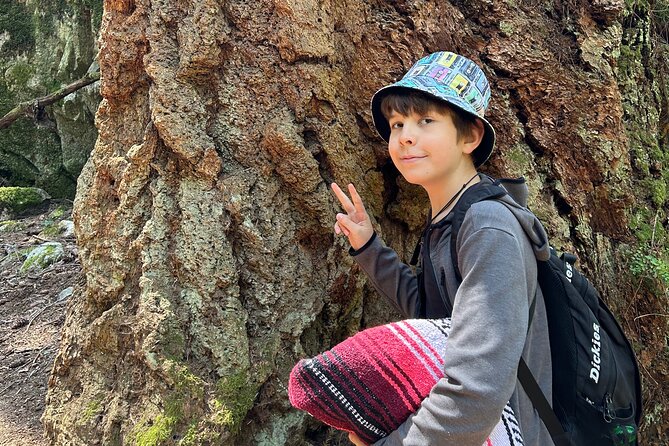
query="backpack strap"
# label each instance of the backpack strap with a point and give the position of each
(492, 192)
(541, 404)
(474, 194)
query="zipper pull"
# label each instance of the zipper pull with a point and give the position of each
(609, 412)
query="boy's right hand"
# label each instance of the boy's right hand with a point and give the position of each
(355, 223)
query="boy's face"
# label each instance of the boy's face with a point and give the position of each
(426, 149)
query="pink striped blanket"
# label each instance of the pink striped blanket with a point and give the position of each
(371, 382)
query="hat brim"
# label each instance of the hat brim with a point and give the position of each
(480, 154)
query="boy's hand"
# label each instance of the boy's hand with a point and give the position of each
(355, 223)
(353, 438)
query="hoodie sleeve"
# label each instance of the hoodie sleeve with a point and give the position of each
(489, 326)
(392, 278)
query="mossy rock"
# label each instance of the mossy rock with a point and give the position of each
(18, 199)
(42, 256)
(11, 226)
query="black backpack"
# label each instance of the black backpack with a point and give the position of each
(596, 383)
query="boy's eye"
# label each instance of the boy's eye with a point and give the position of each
(396, 125)
(426, 120)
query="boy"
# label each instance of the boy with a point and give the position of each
(433, 121)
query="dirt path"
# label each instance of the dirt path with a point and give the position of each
(32, 312)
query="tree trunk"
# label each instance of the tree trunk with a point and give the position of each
(204, 219)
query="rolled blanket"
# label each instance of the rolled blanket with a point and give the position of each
(373, 381)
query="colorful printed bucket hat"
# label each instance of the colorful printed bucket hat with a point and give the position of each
(451, 78)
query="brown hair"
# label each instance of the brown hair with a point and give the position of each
(409, 101)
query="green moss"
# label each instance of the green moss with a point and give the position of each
(18, 75)
(18, 199)
(157, 433)
(42, 256)
(519, 160)
(92, 409)
(658, 192)
(187, 387)
(186, 383)
(58, 213)
(507, 28)
(50, 230)
(191, 437)
(641, 226)
(183, 420)
(197, 435)
(11, 226)
(235, 397)
(50, 227)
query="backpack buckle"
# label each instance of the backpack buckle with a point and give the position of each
(569, 258)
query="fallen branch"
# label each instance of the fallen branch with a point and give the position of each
(32, 319)
(33, 108)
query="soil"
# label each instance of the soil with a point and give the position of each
(31, 317)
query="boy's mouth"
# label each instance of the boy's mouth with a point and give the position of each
(409, 158)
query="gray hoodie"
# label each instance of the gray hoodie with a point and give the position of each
(498, 245)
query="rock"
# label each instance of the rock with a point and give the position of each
(48, 45)
(65, 294)
(42, 256)
(17, 199)
(66, 228)
(19, 322)
(11, 226)
(17, 362)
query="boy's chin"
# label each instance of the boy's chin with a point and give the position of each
(417, 181)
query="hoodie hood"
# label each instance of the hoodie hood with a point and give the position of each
(516, 202)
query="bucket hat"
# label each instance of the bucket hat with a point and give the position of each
(451, 78)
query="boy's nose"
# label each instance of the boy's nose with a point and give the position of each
(408, 137)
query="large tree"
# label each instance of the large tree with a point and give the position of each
(204, 220)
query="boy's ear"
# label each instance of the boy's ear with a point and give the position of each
(473, 140)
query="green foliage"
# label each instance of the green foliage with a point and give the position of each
(650, 260)
(648, 266)
(155, 432)
(658, 192)
(656, 10)
(16, 21)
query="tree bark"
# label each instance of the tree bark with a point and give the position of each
(204, 219)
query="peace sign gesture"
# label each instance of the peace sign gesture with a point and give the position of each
(355, 223)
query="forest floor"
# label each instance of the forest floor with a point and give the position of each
(32, 312)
